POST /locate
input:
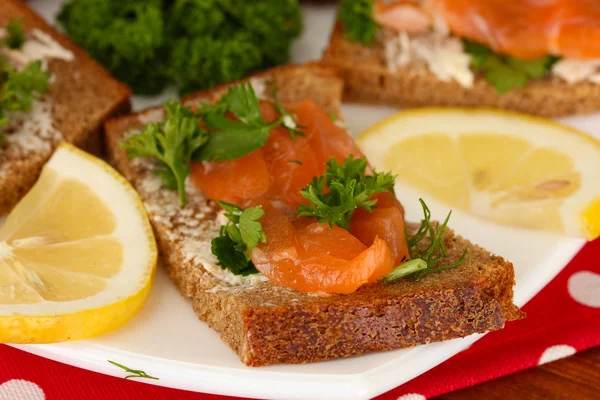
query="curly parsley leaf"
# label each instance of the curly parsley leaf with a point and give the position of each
(18, 89)
(357, 17)
(349, 188)
(231, 257)
(425, 260)
(241, 101)
(15, 34)
(506, 72)
(172, 142)
(21, 88)
(238, 238)
(230, 139)
(250, 229)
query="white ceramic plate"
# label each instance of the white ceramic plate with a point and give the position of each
(168, 341)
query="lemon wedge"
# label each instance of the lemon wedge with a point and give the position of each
(504, 166)
(77, 254)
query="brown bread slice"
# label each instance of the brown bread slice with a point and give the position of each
(82, 96)
(269, 324)
(367, 79)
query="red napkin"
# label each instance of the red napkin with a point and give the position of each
(562, 319)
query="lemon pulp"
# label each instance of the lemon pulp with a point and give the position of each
(503, 166)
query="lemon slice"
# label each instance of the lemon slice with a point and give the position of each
(507, 167)
(77, 254)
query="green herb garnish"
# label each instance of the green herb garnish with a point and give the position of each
(21, 88)
(405, 269)
(288, 121)
(506, 72)
(16, 35)
(238, 238)
(194, 44)
(171, 142)
(135, 373)
(357, 17)
(298, 162)
(18, 89)
(430, 255)
(349, 188)
(179, 139)
(233, 139)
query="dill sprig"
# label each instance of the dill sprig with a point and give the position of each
(425, 261)
(134, 373)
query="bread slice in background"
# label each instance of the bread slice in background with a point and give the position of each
(266, 324)
(367, 79)
(82, 95)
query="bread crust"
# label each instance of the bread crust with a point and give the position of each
(367, 79)
(269, 324)
(83, 94)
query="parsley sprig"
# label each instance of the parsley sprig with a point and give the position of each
(425, 260)
(357, 17)
(134, 373)
(19, 88)
(505, 72)
(238, 238)
(180, 138)
(172, 142)
(334, 196)
(15, 35)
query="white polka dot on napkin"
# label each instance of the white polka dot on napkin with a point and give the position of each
(19, 389)
(412, 396)
(557, 352)
(584, 288)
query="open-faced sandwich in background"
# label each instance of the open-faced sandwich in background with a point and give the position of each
(50, 91)
(269, 218)
(539, 57)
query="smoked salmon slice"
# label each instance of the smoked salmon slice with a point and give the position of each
(525, 29)
(385, 223)
(327, 139)
(315, 257)
(233, 181)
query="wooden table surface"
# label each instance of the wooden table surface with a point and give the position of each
(576, 377)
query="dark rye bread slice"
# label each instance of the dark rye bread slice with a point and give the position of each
(367, 79)
(82, 96)
(269, 324)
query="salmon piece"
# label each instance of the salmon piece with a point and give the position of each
(402, 15)
(233, 181)
(314, 237)
(324, 273)
(292, 164)
(326, 138)
(306, 258)
(277, 258)
(388, 199)
(527, 29)
(385, 223)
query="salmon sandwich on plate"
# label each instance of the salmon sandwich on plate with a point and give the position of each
(538, 57)
(270, 219)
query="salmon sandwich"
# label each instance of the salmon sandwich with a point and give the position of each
(538, 57)
(50, 91)
(269, 218)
